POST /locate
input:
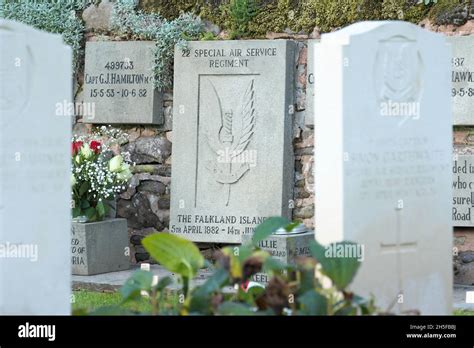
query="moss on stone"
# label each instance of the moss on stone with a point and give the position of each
(276, 16)
(329, 14)
(408, 10)
(171, 9)
(449, 11)
(304, 15)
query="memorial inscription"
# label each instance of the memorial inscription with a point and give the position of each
(463, 190)
(119, 83)
(462, 78)
(233, 164)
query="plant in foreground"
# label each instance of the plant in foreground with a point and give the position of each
(312, 286)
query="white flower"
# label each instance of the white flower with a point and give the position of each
(86, 151)
(115, 164)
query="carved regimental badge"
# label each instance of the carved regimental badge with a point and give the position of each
(398, 77)
(229, 143)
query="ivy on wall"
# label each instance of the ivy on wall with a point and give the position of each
(127, 19)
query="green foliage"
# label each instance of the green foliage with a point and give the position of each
(341, 270)
(52, 16)
(292, 289)
(446, 11)
(254, 18)
(176, 254)
(173, 9)
(167, 34)
(207, 36)
(329, 14)
(267, 227)
(276, 17)
(241, 13)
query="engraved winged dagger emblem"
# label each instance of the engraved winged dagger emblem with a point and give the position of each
(231, 140)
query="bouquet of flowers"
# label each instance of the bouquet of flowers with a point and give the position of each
(99, 172)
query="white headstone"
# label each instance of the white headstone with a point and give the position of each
(384, 162)
(35, 78)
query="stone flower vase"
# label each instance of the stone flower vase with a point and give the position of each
(100, 247)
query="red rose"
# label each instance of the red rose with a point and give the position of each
(95, 146)
(76, 146)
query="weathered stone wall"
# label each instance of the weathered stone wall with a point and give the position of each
(146, 203)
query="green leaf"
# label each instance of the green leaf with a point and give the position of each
(340, 269)
(176, 254)
(201, 296)
(76, 211)
(100, 207)
(91, 214)
(84, 188)
(291, 226)
(163, 283)
(251, 295)
(272, 266)
(235, 308)
(313, 303)
(267, 227)
(214, 283)
(307, 280)
(244, 252)
(85, 204)
(140, 280)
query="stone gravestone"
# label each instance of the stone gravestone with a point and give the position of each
(118, 82)
(35, 196)
(310, 80)
(463, 190)
(462, 79)
(233, 161)
(384, 158)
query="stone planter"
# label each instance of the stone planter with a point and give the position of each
(285, 248)
(99, 247)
